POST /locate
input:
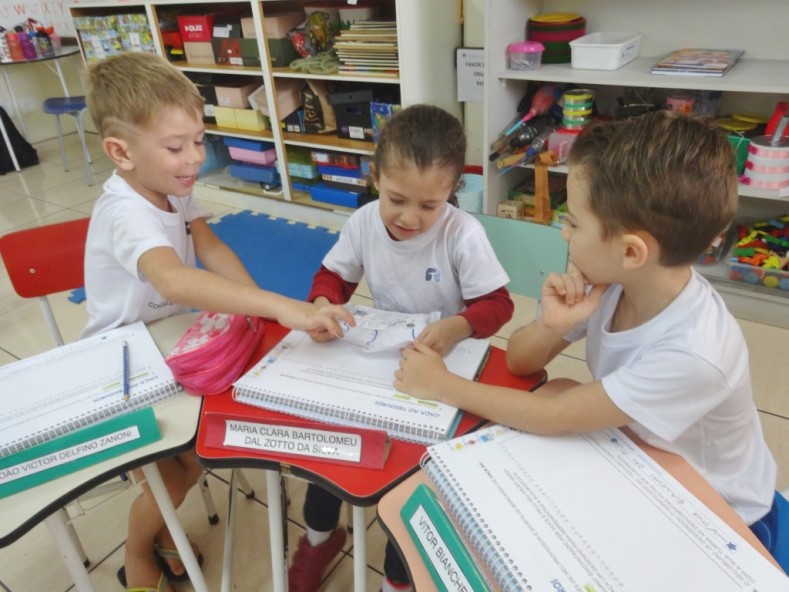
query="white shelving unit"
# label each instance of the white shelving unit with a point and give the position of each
(755, 85)
(428, 33)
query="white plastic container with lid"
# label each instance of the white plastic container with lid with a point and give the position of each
(525, 55)
(604, 50)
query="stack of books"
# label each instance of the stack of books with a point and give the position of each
(697, 62)
(369, 47)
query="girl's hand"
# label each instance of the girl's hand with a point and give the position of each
(421, 372)
(441, 335)
(321, 334)
(316, 319)
(565, 301)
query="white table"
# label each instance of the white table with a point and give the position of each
(177, 418)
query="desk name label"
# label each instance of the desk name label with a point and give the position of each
(285, 439)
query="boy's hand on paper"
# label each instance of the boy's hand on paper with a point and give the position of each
(321, 334)
(311, 318)
(566, 300)
(421, 372)
(441, 335)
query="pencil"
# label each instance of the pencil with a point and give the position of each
(125, 371)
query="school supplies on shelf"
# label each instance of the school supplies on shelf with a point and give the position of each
(337, 383)
(697, 62)
(584, 512)
(79, 384)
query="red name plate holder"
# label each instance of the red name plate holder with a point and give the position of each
(301, 438)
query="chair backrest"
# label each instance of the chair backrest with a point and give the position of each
(45, 260)
(528, 252)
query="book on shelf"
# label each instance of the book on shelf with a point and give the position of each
(697, 62)
(80, 384)
(336, 382)
(585, 512)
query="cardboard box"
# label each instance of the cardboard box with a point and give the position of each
(281, 52)
(352, 111)
(248, 28)
(277, 25)
(196, 28)
(288, 97)
(225, 117)
(208, 92)
(199, 53)
(510, 209)
(252, 120)
(236, 94)
(294, 122)
(226, 27)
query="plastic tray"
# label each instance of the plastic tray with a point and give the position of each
(604, 50)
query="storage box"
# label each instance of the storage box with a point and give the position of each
(217, 155)
(281, 52)
(196, 28)
(225, 117)
(208, 92)
(288, 96)
(248, 28)
(226, 27)
(352, 111)
(235, 51)
(344, 178)
(510, 209)
(303, 171)
(338, 159)
(199, 53)
(770, 278)
(338, 197)
(251, 120)
(604, 50)
(236, 93)
(255, 173)
(253, 156)
(294, 122)
(277, 25)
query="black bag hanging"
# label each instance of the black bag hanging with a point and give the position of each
(26, 155)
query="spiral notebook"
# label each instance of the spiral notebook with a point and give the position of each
(586, 512)
(78, 385)
(336, 382)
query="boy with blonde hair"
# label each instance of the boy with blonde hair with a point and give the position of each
(668, 360)
(145, 233)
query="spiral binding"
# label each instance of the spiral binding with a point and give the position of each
(326, 413)
(119, 407)
(468, 518)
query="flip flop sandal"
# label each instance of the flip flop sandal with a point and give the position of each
(161, 585)
(163, 554)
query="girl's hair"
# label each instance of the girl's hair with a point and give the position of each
(671, 175)
(424, 135)
(130, 90)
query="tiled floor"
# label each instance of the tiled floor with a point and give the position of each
(45, 194)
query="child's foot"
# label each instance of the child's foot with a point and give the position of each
(310, 562)
(170, 560)
(143, 573)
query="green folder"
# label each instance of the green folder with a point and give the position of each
(445, 554)
(77, 450)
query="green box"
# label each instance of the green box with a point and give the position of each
(281, 52)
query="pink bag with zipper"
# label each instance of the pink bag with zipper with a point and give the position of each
(214, 351)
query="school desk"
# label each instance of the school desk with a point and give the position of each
(360, 487)
(177, 418)
(389, 511)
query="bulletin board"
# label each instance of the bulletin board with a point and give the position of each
(47, 12)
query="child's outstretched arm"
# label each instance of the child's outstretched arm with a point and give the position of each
(559, 407)
(565, 303)
(232, 290)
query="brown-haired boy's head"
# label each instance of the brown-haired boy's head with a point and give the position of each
(667, 174)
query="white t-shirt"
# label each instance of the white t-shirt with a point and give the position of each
(435, 271)
(123, 226)
(683, 377)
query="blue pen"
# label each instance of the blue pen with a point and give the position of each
(125, 371)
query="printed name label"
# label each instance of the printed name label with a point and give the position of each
(67, 455)
(439, 554)
(283, 439)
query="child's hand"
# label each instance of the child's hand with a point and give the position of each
(321, 334)
(443, 334)
(316, 319)
(421, 372)
(565, 302)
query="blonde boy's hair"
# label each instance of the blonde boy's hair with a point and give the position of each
(668, 174)
(130, 90)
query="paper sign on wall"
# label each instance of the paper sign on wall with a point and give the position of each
(471, 75)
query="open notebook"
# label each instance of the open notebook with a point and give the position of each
(336, 382)
(79, 384)
(586, 512)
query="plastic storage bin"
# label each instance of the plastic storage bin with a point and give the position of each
(525, 55)
(604, 51)
(770, 278)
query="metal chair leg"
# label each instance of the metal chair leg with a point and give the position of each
(63, 158)
(208, 500)
(79, 117)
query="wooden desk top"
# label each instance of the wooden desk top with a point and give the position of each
(356, 485)
(177, 418)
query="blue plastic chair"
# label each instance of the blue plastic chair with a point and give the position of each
(76, 107)
(779, 548)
